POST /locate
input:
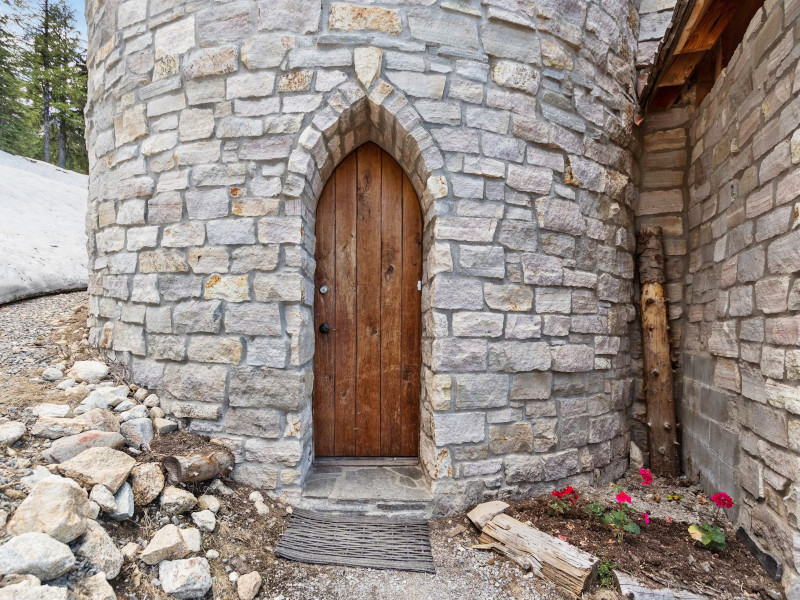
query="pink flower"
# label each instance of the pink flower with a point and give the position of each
(646, 518)
(722, 500)
(623, 497)
(647, 476)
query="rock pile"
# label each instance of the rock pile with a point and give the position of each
(57, 547)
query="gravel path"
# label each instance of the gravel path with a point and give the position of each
(28, 328)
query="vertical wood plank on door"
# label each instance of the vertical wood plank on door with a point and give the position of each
(325, 312)
(345, 301)
(411, 325)
(391, 304)
(368, 298)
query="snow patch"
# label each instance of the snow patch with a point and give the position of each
(42, 228)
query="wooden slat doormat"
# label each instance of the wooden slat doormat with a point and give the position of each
(373, 542)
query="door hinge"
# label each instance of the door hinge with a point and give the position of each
(419, 286)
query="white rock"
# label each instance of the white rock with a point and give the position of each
(220, 488)
(248, 585)
(89, 371)
(151, 401)
(205, 520)
(104, 498)
(28, 587)
(139, 411)
(164, 426)
(36, 554)
(65, 384)
(99, 465)
(125, 405)
(99, 550)
(176, 501)
(125, 503)
(140, 394)
(10, 432)
(192, 538)
(56, 506)
(52, 374)
(167, 544)
(261, 508)
(212, 554)
(96, 588)
(185, 579)
(137, 432)
(206, 502)
(51, 410)
(255, 497)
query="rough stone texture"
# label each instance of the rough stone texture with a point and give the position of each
(104, 466)
(56, 506)
(184, 579)
(35, 554)
(517, 138)
(167, 544)
(99, 550)
(726, 171)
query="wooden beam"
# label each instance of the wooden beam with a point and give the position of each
(698, 10)
(710, 26)
(664, 97)
(681, 68)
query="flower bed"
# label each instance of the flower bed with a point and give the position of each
(629, 527)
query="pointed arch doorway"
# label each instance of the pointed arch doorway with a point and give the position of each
(367, 310)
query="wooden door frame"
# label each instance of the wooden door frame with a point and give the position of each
(424, 249)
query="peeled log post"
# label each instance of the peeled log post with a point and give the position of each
(198, 467)
(662, 430)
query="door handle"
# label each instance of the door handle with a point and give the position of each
(324, 328)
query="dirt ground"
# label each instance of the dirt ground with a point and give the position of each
(51, 330)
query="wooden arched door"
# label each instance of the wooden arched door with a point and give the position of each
(367, 310)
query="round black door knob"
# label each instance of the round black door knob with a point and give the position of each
(324, 328)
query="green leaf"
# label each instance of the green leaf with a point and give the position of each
(632, 527)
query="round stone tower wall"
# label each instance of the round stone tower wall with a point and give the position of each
(212, 130)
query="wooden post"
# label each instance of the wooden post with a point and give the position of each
(661, 424)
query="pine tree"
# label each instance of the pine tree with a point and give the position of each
(55, 81)
(15, 133)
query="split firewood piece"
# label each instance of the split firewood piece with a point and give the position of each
(526, 561)
(632, 589)
(198, 467)
(570, 568)
(483, 513)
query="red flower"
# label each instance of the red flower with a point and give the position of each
(623, 497)
(568, 493)
(647, 476)
(646, 518)
(722, 500)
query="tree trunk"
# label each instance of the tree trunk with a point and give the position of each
(661, 424)
(46, 83)
(62, 142)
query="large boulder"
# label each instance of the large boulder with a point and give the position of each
(147, 481)
(56, 506)
(105, 466)
(185, 579)
(36, 554)
(89, 371)
(167, 544)
(71, 446)
(99, 550)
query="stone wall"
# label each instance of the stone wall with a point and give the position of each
(212, 128)
(740, 325)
